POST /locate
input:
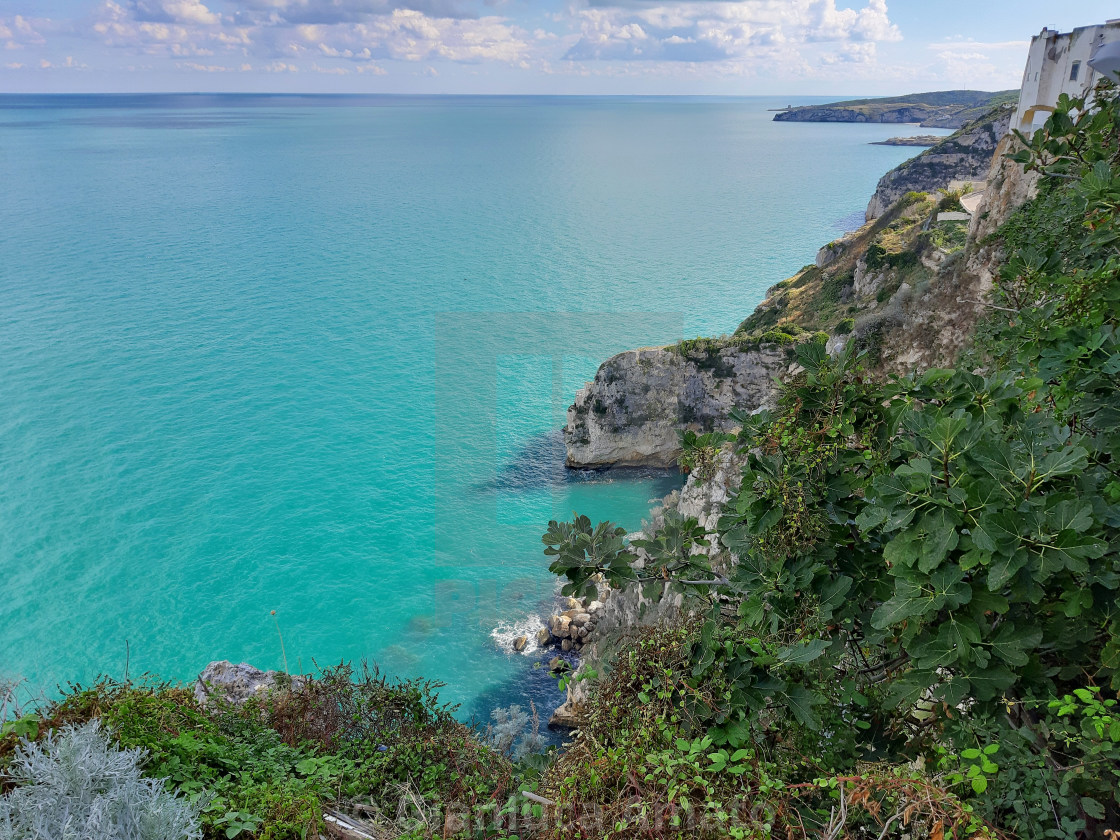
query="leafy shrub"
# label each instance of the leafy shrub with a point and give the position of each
(950, 200)
(845, 326)
(949, 236)
(699, 452)
(833, 285)
(76, 785)
(776, 336)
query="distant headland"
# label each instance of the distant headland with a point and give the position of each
(937, 109)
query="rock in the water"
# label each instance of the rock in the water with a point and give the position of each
(520, 643)
(567, 716)
(566, 645)
(237, 683)
(580, 619)
(558, 665)
(543, 637)
(631, 413)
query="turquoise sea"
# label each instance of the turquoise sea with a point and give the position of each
(308, 354)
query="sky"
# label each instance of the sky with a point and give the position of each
(670, 47)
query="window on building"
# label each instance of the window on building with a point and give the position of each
(1074, 71)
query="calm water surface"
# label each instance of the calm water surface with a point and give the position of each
(308, 354)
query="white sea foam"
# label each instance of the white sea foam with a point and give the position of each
(507, 632)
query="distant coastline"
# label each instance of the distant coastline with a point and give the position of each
(936, 109)
(916, 140)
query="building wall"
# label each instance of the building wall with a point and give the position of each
(1050, 63)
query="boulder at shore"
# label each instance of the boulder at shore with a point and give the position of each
(235, 684)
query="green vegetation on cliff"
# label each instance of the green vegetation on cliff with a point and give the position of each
(821, 297)
(966, 155)
(921, 636)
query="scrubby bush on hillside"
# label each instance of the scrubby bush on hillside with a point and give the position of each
(269, 768)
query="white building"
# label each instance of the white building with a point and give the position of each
(1059, 63)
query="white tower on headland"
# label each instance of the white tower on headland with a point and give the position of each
(1060, 63)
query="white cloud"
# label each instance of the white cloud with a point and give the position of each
(983, 64)
(287, 12)
(14, 65)
(983, 46)
(19, 32)
(183, 28)
(407, 35)
(68, 64)
(765, 30)
(202, 68)
(852, 54)
(174, 11)
(783, 42)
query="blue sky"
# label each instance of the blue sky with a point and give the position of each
(741, 47)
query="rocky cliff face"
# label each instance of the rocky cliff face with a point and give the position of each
(905, 286)
(965, 155)
(824, 113)
(630, 414)
(934, 323)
